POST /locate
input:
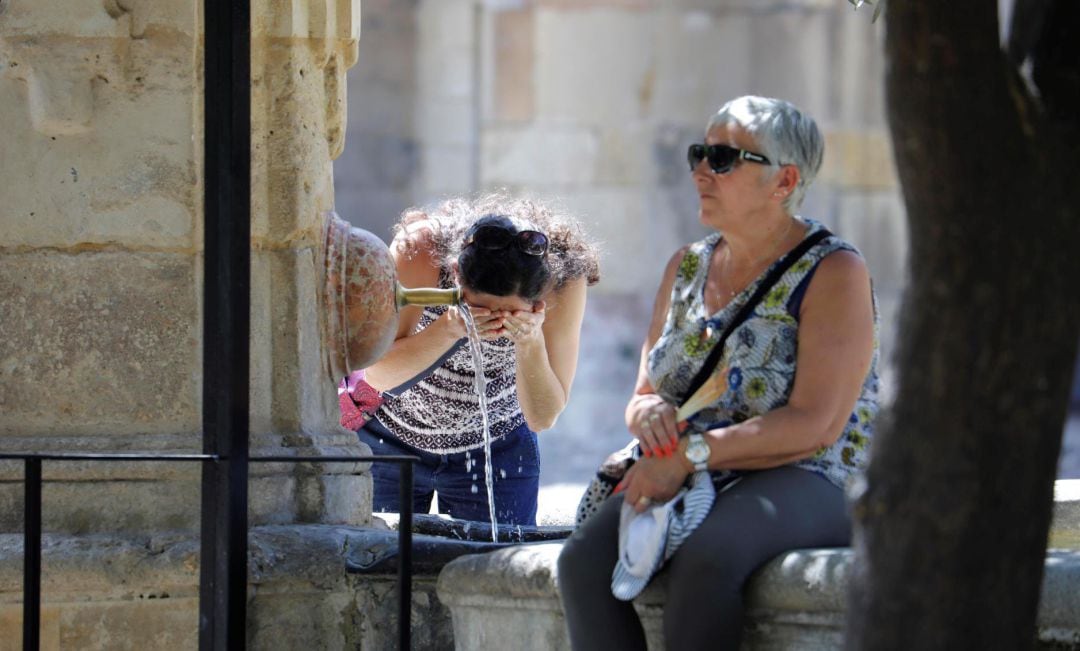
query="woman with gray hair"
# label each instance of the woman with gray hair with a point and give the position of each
(790, 311)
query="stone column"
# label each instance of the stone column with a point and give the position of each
(101, 257)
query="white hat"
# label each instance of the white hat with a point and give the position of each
(648, 539)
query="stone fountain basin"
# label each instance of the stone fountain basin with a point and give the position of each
(437, 540)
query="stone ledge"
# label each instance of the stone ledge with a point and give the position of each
(141, 591)
(795, 601)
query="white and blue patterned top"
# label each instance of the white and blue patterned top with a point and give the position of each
(760, 354)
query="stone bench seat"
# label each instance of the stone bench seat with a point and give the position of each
(509, 598)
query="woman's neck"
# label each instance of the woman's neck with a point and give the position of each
(762, 239)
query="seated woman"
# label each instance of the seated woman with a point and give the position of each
(523, 269)
(794, 422)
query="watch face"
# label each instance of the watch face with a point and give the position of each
(697, 451)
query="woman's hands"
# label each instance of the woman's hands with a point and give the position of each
(523, 326)
(652, 422)
(519, 326)
(652, 481)
(491, 324)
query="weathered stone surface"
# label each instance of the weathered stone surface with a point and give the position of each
(72, 89)
(509, 598)
(572, 86)
(858, 159)
(687, 44)
(505, 600)
(98, 343)
(540, 154)
(141, 592)
(446, 170)
(515, 62)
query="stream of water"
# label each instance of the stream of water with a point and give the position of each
(480, 382)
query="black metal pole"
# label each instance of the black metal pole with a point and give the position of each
(405, 522)
(226, 323)
(32, 556)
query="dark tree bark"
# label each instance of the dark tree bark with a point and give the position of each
(952, 521)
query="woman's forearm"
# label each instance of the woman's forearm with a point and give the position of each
(776, 438)
(410, 355)
(540, 393)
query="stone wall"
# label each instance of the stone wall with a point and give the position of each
(101, 263)
(101, 256)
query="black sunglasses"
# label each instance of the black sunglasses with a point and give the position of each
(494, 238)
(722, 158)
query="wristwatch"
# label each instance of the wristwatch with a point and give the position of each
(697, 451)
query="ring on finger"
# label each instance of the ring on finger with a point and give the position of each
(644, 500)
(654, 417)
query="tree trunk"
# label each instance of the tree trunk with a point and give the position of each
(951, 523)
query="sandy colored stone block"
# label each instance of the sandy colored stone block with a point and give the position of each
(874, 222)
(300, 620)
(859, 159)
(585, 70)
(315, 19)
(154, 623)
(99, 506)
(541, 154)
(625, 153)
(66, 118)
(859, 71)
(692, 77)
(444, 123)
(446, 74)
(515, 59)
(298, 127)
(446, 171)
(446, 24)
(789, 56)
(132, 18)
(11, 628)
(98, 342)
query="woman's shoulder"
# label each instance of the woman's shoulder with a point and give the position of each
(417, 252)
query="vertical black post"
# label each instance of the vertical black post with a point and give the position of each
(32, 556)
(226, 322)
(405, 523)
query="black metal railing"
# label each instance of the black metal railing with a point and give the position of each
(32, 527)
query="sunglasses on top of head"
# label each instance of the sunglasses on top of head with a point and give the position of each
(495, 238)
(722, 158)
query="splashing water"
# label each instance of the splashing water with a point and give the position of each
(480, 383)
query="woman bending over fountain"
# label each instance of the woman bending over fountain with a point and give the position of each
(523, 269)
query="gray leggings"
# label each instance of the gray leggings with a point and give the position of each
(753, 520)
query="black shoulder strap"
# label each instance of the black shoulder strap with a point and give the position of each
(774, 275)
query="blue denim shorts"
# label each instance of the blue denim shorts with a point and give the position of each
(459, 478)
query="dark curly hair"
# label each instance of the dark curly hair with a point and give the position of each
(571, 253)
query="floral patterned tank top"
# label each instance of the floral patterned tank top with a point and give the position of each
(760, 354)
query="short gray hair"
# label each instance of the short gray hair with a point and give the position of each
(785, 135)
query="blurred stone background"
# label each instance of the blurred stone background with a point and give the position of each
(592, 103)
